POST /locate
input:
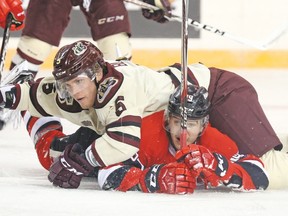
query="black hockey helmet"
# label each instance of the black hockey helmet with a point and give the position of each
(76, 58)
(197, 102)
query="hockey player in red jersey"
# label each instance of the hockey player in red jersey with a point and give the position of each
(15, 8)
(211, 156)
(102, 96)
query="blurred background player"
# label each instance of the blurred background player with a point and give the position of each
(108, 21)
(46, 21)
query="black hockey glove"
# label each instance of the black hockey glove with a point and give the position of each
(158, 15)
(69, 168)
(8, 95)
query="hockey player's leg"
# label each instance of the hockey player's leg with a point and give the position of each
(115, 46)
(276, 164)
(236, 111)
(44, 25)
(110, 28)
(32, 50)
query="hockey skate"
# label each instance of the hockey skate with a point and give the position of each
(17, 75)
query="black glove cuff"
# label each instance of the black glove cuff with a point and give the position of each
(76, 2)
(222, 165)
(151, 2)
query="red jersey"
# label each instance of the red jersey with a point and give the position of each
(155, 149)
(154, 145)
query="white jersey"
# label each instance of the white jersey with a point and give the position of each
(126, 94)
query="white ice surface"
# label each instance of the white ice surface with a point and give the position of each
(25, 190)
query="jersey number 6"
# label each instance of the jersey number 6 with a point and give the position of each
(120, 107)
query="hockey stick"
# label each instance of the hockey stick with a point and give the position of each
(198, 25)
(5, 40)
(275, 36)
(184, 91)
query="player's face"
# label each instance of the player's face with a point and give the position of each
(194, 128)
(83, 90)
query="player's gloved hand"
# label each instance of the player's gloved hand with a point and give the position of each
(8, 96)
(199, 158)
(15, 8)
(69, 168)
(158, 15)
(172, 178)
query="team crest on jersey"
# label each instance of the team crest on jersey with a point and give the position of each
(105, 88)
(67, 100)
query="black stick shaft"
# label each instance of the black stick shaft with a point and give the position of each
(184, 54)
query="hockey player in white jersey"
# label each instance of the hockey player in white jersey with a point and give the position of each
(109, 98)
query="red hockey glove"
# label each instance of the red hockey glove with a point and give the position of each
(69, 168)
(199, 158)
(172, 178)
(158, 15)
(4, 10)
(14, 7)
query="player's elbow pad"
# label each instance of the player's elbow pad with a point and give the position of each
(248, 176)
(120, 178)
